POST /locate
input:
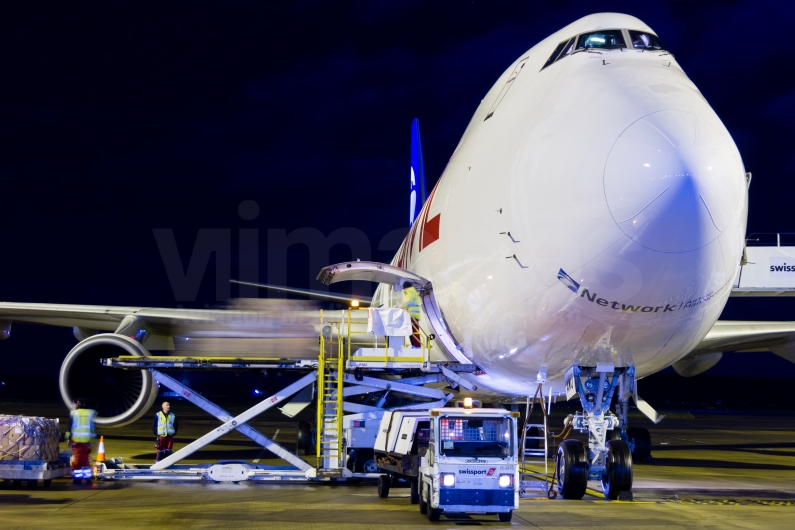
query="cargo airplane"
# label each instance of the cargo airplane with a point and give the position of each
(585, 233)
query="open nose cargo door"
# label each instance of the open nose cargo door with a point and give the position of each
(372, 271)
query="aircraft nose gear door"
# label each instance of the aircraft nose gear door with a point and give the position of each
(382, 273)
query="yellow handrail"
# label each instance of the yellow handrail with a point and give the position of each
(321, 369)
(340, 368)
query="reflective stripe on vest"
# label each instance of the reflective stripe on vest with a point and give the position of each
(411, 301)
(83, 425)
(165, 424)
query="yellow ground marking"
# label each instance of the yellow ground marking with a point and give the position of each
(589, 491)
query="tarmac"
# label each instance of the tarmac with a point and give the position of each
(710, 469)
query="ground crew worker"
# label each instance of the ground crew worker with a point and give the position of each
(411, 303)
(80, 435)
(164, 427)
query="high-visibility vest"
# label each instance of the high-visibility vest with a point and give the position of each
(165, 424)
(411, 302)
(83, 425)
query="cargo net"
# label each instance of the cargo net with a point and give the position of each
(29, 438)
(474, 430)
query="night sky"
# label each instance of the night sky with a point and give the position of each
(120, 118)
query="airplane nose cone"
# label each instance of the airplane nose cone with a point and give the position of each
(673, 181)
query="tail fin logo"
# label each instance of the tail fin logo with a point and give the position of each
(413, 200)
(568, 281)
(418, 195)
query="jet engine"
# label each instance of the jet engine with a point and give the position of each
(688, 367)
(119, 396)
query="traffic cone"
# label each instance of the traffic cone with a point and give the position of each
(101, 450)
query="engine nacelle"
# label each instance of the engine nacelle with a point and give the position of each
(697, 365)
(119, 396)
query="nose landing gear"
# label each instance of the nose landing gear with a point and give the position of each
(609, 457)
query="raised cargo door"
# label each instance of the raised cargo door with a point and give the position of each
(372, 271)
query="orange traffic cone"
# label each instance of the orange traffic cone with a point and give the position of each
(101, 450)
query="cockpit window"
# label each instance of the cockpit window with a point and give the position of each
(612, 38)
(561, 50)
(569, 48)
(646, 41)
(555, 54)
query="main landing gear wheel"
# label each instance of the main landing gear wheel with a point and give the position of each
(383, 486)
(617, 476)
(572, 471)
(641, 442)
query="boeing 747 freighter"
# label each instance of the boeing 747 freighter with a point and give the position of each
(585, 233)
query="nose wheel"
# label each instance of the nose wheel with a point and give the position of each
(617, 475)
(572, 469)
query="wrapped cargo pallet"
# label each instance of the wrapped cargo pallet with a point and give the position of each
(29, 438)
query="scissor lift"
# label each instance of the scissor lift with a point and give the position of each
(338, 352)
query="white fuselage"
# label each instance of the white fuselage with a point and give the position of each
(611, 167)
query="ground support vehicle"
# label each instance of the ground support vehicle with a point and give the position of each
(401, 443)
(455, 460)
(360, 432)
(31, 471)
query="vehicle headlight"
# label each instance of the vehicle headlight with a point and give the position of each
(506, 481)
(447, 480)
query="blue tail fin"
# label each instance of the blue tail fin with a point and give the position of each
(418, 194)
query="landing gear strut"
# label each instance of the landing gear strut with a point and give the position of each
(608, 457)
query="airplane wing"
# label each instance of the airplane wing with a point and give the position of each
(728, 335)
(86, 316)
(738, 336)
(259, 318)
(244, 319)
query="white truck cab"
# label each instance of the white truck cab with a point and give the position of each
(456, 460)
